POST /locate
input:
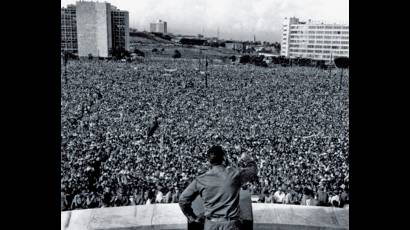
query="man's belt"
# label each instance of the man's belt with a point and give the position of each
(222, 219)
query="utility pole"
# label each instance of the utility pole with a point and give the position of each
(206, 71)
(341, 76)
(330, 65)
(65, 58)
(199, 60)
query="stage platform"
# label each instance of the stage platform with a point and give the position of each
(170, 217)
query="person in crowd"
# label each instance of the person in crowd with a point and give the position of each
(291, 197)
(344, 197)
(107, 197)
(159, 196)
(175, 196)
(334, 200)
(314, 200)
(77, 202)
(167, 197)
(269, 197)
(147, 197)
(322, 197)
(279, 196)
(139, 197)
(92, 200)
(307, 196)
(132, 201)
(64, 202)
(119, 199)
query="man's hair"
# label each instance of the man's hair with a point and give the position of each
(215, 155)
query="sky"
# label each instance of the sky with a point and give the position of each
(236, 19)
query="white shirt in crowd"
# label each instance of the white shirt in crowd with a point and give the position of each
(279, 196)
(335, 198)
(159, 197)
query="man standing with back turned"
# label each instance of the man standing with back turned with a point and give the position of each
(219, 188)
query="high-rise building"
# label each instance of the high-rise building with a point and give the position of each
(120, 29)
(158, 27)
(94, 28)
(314, 40)
(69, 29)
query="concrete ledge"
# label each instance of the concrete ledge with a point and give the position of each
(170, 217)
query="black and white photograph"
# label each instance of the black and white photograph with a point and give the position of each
(205, 114)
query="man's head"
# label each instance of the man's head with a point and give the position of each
(216, 155)
(283, 188)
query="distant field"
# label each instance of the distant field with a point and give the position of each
(187, 52)
(148, 42)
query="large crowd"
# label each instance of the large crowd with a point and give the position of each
(137, 133)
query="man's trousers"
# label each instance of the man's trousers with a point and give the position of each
(223, 225)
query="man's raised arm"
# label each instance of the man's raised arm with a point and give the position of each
(248, 167)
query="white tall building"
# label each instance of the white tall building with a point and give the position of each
(159, 27)
(314, 40)
(94, 33)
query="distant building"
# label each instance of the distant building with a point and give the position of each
(94, 28)
(69, 29)
(158, 27)
(233, 45)
(120, 29)
(314, 40)
(133, 30)
(94, 32)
